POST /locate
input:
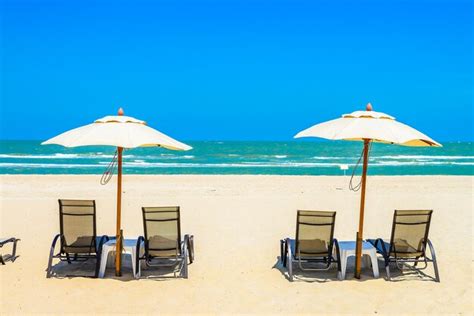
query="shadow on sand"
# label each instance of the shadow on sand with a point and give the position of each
(63, 270)
(408, 274)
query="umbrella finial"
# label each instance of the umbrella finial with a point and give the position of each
(368, 107)
(120, 112)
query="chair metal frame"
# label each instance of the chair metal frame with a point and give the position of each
(9, 257)
(290, 256)
(184, 249)
(96, 243)
(402, 263)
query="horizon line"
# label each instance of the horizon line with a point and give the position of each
(304, 140)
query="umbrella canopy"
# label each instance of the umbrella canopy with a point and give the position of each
(376, 126)
(368, 126)
(118, 131)
(122, 132)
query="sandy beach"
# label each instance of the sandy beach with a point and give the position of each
(237, 222)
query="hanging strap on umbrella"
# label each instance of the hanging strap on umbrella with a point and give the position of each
(356, 187)
(109, 170)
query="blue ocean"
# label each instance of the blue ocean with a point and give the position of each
(239, 157)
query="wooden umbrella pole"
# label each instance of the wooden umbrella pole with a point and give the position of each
(362, 207)
(118, 247)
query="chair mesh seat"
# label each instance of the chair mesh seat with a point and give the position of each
(410, 233)
(84, 244)
(160, 246)
(313, 247)
(162, 231)
(314, 233)
(78, 235)
(164, 247)
(404, 249)
(78, 227)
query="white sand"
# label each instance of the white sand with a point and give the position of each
(237, 222)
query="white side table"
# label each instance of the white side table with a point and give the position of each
(129, 247)
(347, 249)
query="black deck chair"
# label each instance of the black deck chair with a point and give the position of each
(78, 237)
(8, 257)
(163, 244)
(314, 243)
(409, 242)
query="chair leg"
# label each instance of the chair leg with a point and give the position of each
(185, 266)
(387, 268)
(50, 265)
(14, 256)
(435, 262)
(137, 258)
(290, 269)
(186, 254)
(191, 249)
(51, 255)
(416, 262)
(97, 265)
(435, 266)
(283, 258)
(338, 257)
(289, 261)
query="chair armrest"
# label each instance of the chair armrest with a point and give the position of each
(430, 246)
(6, 241)
(140, 240)
(51, 255)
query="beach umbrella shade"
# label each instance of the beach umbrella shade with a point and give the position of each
(367, 126)
(122, 132)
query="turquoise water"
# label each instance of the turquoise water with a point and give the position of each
(213, 157)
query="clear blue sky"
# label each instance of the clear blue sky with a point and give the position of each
(235, 70)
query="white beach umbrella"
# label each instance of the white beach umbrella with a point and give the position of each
(121, 132)
(368, 126)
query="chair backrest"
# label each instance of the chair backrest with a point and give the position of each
(410, 233)
(162, 231)
(77, 226)
(314, 233)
